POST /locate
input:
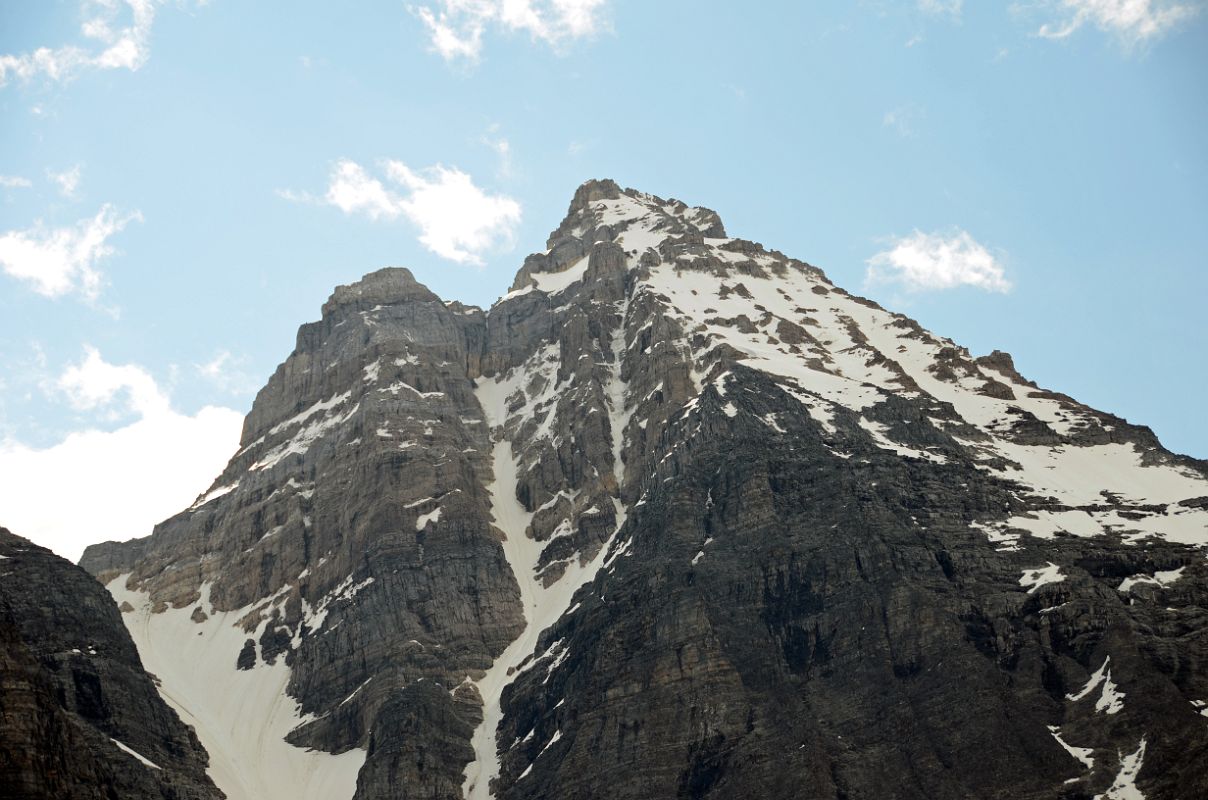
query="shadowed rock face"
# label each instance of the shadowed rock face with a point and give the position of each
(678, 517)
(71, 685)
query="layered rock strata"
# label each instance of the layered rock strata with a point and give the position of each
(678, 517)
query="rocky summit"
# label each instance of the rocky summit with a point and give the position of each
(676, 518)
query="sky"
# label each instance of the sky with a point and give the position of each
(183, 183)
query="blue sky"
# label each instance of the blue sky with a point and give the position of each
(182, 184)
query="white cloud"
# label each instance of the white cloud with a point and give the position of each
(452, 40)
(924, 261)
(456, 27)
(353, 191)
(1132, 21)
(456, 218)
(61, 260)
(95, 384)
(15, 182)
(950, 7)
(68, 180)
(119, 47)
(97, 485)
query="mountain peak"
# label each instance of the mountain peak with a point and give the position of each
(635, 222)
(592, 190)
(602, 211)
(673, 467)
(385, 286)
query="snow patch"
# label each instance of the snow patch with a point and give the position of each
(1083, 754)
(1111, 699)
(399, 386)
(879, 434)
(240, 716)
(1124, 787)
(146, 762)
(554, 282)
(307, 435)
(1033, 579)
(422, 520)
(214, 494)
(318, 408)
(1160, 578)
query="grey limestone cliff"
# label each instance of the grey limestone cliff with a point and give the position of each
(678, 517)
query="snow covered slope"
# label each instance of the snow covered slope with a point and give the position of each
(1093, 473)
(241, 716)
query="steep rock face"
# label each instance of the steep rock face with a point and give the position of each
(858, 558)
(678, 517)
(349, 539)
(78, 715)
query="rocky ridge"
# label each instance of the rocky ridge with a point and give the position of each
(678, 517)
(79, 717)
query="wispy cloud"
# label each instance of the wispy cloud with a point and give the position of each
(117, 46)
(951, 8)
(15, 182)
(456, 27)
(502, 147)
(903, 120)
(1133, 22)
(929, 261)
(578, 147)
(228, 373)
(68, 181)
(295, 196)
(57, 261)
(169, 456)
(457, 219)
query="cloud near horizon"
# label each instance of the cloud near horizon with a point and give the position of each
(98, 485)
(931, 261)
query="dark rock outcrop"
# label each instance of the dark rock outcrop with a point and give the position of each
(79, 717)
